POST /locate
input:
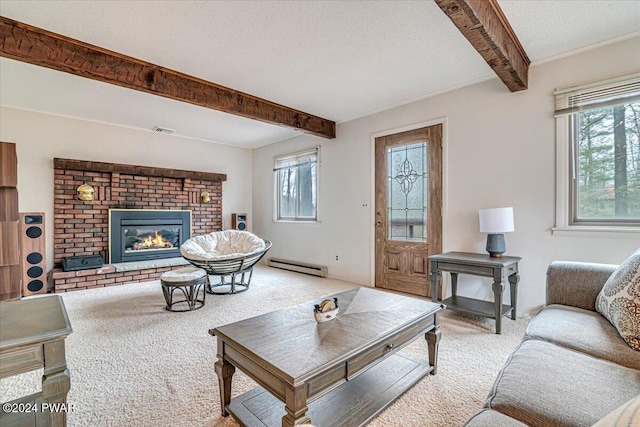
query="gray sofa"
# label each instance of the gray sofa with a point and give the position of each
(572, 367)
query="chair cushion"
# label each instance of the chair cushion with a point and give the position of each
(582, 330)
(183, 275)
(619, 300)
(221, 245)
(545, 385)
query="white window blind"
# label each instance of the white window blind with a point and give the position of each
(297, 159)
(598, 95)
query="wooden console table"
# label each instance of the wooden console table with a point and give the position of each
(32, 337)
(479, 265)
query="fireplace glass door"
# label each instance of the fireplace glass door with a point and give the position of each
(150, 238)
(139, 235)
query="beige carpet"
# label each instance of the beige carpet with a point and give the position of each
(132, 363)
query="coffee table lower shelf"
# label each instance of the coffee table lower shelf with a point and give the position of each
(353, 404)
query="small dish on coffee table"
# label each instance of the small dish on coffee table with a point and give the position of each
(326, 310)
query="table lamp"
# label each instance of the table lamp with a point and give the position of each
(495, 222)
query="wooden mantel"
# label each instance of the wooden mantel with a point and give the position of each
(36, 46)
(483, 23)
(89, 166)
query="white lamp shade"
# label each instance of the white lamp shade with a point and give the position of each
(497, 220)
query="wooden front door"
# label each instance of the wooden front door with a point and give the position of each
(408, 206)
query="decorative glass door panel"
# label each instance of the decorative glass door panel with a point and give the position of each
(407, 192)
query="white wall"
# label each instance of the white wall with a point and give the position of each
(41, 137)
(499, 151)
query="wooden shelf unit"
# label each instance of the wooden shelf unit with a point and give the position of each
(10, 272)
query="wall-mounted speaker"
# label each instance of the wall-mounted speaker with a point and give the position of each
(239, 221)
(32, 254)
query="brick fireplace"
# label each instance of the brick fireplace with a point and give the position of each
(82, 227)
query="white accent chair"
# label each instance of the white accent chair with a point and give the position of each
(226, 254)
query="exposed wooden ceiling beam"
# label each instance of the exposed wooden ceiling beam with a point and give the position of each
(30, 44)
(485, 26)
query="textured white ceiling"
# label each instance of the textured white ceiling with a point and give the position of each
(338, 60)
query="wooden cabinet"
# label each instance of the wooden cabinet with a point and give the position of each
(9, 247)
(8, 165)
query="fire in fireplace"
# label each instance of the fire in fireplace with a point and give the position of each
(137, 235)
(143, 239)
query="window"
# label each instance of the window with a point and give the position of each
(296, 186)
(599, 154)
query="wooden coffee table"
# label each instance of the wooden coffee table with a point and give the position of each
(339, 373)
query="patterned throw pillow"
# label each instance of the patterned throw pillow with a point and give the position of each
(619, 300)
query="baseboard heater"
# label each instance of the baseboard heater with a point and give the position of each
(299, 267)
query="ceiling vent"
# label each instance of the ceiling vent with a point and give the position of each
(163, 130)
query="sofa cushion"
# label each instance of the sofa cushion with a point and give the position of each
(619, 300)
(489, 418)
(625, 416)
(546, 385)
(582, 330)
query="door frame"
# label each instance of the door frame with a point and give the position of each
(372, 185)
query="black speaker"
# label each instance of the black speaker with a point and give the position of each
(239, 221)
(32, 254)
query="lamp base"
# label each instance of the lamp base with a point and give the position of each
(495, 245)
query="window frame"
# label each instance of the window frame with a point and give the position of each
(566, 158)
(276, 188)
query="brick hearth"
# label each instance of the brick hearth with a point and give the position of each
(101, 277)
(81, 228)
